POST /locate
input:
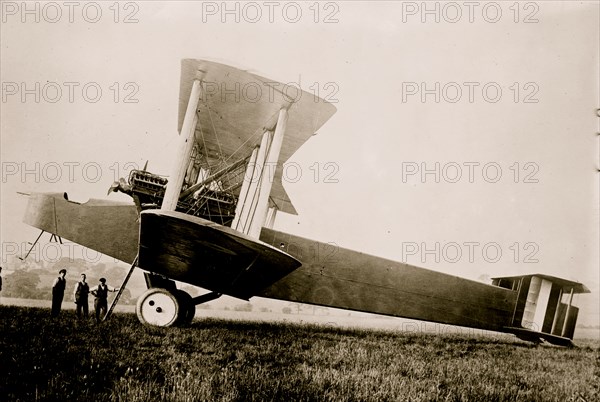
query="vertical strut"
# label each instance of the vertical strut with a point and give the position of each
(564, 328)
(184, 152)
(271, 215)
(555, 320)
(244, 191)
(251, 199)
(268, 175)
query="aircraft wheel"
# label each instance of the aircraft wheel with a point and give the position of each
(158, 307)
(187, 308)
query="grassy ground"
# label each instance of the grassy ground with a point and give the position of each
(121, 360)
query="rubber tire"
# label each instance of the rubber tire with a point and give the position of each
(153, 303)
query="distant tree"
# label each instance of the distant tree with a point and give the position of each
(243, 307)
(38, 271)
(114, 275)
(126, 297)
(485, 278)
(191, 290)
(74, 266)
(21, 284)
(99, 268)
(27, 264)
(44, 293)
(286, 310)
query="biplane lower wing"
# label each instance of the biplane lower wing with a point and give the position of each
(280, 266)
(337, 277)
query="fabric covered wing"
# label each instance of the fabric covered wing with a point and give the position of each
(236, 107)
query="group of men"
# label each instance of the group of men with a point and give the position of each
(80, 296)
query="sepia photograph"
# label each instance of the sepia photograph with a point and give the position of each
(300, 200)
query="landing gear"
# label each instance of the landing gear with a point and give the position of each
(163, 305)
(163, 308)
(187, 308)
(158, 307)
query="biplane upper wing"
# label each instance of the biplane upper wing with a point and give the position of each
(237, 106)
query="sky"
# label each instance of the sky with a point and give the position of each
(465, 138)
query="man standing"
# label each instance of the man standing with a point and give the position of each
(82, 289)
(101, 294)
(58, 292)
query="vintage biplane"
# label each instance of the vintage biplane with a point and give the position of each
(210, 225)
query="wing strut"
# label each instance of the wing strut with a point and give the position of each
(32, 246)
(186, 145)
(53, 238)
(260, 213)
(254, 173)
(121, 289)
(271, 215)
(253, 202)
(565, 324)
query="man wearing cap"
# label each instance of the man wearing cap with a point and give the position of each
(100, 292)
(81, 297)
(58, 292)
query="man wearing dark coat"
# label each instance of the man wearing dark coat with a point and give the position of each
(58, 292)
(100, 293)
(82, 289)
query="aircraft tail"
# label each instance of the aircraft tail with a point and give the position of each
(108, 227)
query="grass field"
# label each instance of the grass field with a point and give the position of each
(219, 360)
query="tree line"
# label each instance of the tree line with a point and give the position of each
(30, 280)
